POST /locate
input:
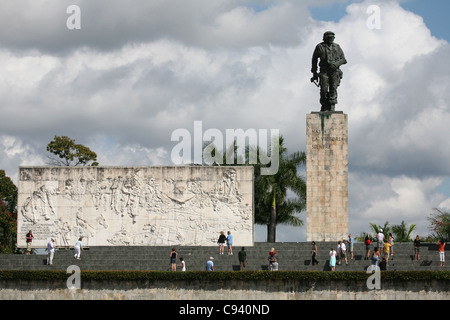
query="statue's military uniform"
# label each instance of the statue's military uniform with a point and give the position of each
(331, 58)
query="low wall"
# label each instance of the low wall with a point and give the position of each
(222, 290)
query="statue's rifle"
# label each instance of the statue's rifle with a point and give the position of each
(315, 79)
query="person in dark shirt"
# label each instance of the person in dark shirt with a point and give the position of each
(417, 248)
(243, 259)
(383, 265)
(29, 238)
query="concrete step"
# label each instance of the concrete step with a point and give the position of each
(291, 256)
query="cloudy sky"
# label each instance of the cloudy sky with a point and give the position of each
(139, 69)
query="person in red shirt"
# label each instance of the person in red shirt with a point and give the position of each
(441, 248)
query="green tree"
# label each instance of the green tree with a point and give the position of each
(69, 153)
(8, 213)
(402, 232)
(280, 196)
(440, 224)
(376, 228)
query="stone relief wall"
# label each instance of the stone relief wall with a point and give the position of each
(135, 206)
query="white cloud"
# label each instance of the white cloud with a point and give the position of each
(134, 74)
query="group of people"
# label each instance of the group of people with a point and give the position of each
(441, 249)
(221, 242)
(336, 256)
(173, 261)
(209, 264)
(51, 246)
(379, 257)
(381, 252)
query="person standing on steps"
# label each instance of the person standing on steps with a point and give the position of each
(182, 264)
(173, 259)
(210, 264)
(242, 259)
(51, 251)
(391, 242)
(272, 257)
(380, 241)
(29, 238)
(274, 265)
(367, 243)
(78, 248)
(375, 259)
(344, 251)
(350, 246)
(314, 254)
(417, 248)
(333, 255)
(441, 248)
(230, 243)
(221, 242)
(387, 249)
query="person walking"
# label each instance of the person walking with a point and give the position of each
(391, 242)
(242, 259)
(387, 249)
(375, 258)
(29, 238)
(51, 251)
(333, 255)
(173, 259)
(417, 248)
(441, 248)
(78, 248)
(314, 254)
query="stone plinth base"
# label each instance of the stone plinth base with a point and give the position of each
(327, 176)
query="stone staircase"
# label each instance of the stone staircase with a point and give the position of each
(291, 256)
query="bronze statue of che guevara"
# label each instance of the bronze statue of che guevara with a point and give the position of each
(329, 76)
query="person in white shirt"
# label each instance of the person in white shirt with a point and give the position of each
(333, 255)
(182, 264)
(344, 252)
(78, 248)
(380, 240)
(51, 251)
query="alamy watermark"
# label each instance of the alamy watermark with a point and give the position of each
(373, 22)
(252, 147)
(73, 22)
(74, 280)
(374, 281)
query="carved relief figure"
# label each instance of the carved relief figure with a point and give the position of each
(131, 206)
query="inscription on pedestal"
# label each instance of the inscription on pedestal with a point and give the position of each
(327, 176)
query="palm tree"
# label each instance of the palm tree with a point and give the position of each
(402, 233)
(375, 228)
(272, 204)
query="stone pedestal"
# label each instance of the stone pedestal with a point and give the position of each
(327, 176)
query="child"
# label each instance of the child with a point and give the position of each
(183, 264)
